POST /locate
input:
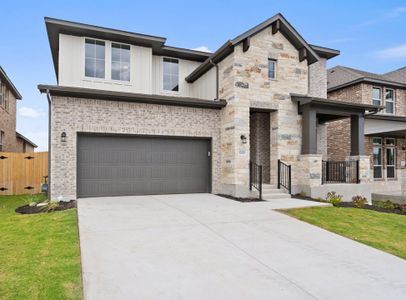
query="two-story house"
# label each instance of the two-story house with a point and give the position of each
(385, 131)
(131, 115)
(10, 139)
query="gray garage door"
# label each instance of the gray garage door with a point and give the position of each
(130, 165)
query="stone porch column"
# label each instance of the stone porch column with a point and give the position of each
(364, 167)
(307, 173)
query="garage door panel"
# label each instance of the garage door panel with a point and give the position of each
(131, 165)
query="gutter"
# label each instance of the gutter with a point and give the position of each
(49, 143)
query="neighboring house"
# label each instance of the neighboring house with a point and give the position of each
(131, 115)
(385, 131)
(10, 140)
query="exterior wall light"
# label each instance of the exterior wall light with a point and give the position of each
(63, 137)
(243, 139)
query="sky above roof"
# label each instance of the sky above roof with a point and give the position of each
(369, 34)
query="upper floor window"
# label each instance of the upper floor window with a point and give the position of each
(2, 92)
(94, 58)
(171, 74)
(376, 96)
(120, 62)
(272, 69)
(1, 140)
(389, 101)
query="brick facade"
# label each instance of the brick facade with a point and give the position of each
(73, 115)
(8, 125)
(339, 132)
(260, 141)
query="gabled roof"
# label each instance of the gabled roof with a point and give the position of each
(340, 77)
(9, 83)
(278, 23)
(56, 26)
(20, 136)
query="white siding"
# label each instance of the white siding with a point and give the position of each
(146, 72)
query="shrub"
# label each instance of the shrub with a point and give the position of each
(386, 204)
(334, 198)
(359, 201)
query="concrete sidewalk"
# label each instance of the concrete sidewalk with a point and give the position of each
(201, 246)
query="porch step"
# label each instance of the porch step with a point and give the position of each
(279, 195)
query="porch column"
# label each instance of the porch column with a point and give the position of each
(309, 131)
(357, 135)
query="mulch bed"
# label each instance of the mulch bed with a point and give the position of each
(373, 207)
(240, 199)
(62, 205)
(351, 205)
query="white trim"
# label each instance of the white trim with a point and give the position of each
(275, 62)
(393, 101)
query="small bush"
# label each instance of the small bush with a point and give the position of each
(385, 204)
(359, 201)
(51, 206)
(334, 198)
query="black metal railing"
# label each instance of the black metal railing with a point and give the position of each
(340, 171)
(256, 177)
(284, 176)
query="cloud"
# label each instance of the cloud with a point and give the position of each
(202, 48)
(398, 52)
(391, 14)
(29, 112)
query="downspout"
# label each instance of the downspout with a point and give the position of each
(217, 77)
(49, 143)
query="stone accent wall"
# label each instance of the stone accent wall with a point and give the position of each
(244, 84)
(8, 125)
(74, 115)
(260, 141)
(309, 171)
(318, 79)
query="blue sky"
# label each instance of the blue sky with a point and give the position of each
(370, 34)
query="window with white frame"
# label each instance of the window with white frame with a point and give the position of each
(390, 157)
(170, 74)
(2, 92)
(94, 58)
(272, 69)
(389, 101)
(1, 140)
(120, 62)
(377, 156)
(376, 96)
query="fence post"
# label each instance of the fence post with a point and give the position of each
(357, 168)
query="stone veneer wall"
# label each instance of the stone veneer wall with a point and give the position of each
(244, 83)
(260, 141)
(318, 79)
(74, 115)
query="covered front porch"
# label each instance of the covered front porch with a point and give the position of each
(314, 174)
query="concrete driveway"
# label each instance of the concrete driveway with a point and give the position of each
(201, 246)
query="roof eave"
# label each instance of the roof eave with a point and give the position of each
(57, 90)
(19, 135)
(367, 80)
(10, 84)
(325, 52)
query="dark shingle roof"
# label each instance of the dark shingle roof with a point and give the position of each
(341, 76)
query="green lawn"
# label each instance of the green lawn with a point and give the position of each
(40, 257)
(383, 231)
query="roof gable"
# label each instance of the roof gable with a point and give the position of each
(278, 24)
(9, 83)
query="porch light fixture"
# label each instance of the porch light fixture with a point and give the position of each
(63, 137)
(243, 139)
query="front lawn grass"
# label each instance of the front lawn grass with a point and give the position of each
(39, 254)
(383, 231)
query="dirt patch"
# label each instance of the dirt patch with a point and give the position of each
(62, 205)
(239, 199)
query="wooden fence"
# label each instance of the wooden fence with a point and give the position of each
(22, 173)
